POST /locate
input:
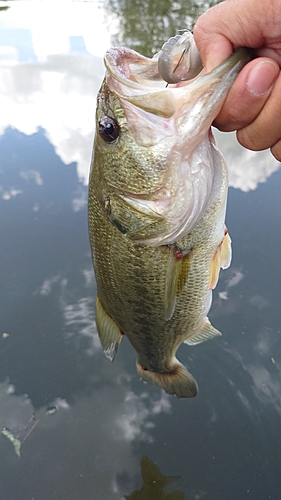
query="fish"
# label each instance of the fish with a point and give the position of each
(156, 209)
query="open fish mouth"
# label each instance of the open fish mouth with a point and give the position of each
(137, 79)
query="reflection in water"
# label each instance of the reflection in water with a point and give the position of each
(49, 346)
(233, 280)
(94, 428)
(57, 90)
(101, 449)
(139, 411)
(79, 322)
(145, 26)
(15, 410)
(246, 169)
(53, 80)
(59, 95)
(153, 484)
(264, 370)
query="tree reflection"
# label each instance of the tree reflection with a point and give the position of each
(144, 25)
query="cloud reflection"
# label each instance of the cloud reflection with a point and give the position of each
(60, 98)
(79, 320)
(264, 370)
(139, 408)
(7, 195)
(55, 88)
(246, 169)
(91, 427)
(32, 175)
(53, 84)
(46, 287)
(15, 410)
(267, 386)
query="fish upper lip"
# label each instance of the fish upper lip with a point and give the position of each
(135, 79)
(129, 69)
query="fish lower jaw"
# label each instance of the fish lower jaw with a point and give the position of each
(177, 381)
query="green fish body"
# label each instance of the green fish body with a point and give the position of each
(157, 200)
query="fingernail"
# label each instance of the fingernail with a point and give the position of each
(261, 78)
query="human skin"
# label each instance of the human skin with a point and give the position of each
(253, 105)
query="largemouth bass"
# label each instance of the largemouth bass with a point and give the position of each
(157, 201)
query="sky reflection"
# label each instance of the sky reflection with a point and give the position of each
(54, 82)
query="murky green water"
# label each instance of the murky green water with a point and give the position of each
(85, 424)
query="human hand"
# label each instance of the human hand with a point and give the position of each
(253, 104)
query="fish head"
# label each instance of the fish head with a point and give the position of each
(154, 151)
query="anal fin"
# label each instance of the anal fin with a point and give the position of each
(206, 332)
(109, 333)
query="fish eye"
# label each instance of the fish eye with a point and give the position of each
(108, 128)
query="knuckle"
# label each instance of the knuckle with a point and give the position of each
(250, 139)
(230, 118)
(276, 150)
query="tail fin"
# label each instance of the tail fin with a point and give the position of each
(178, 381)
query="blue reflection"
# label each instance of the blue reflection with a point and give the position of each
(77, 44)
(21, 41)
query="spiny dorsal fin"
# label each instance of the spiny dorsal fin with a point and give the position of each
(206, 332)
(109, 333)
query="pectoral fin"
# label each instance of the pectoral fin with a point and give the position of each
(173, 271)
(109, 333)
(206, 332)
(226, 252)
(221, 259)
(215, 270)
(176, 276)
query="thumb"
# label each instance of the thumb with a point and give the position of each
(214, 48)
(212, 36)
(226, 26)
